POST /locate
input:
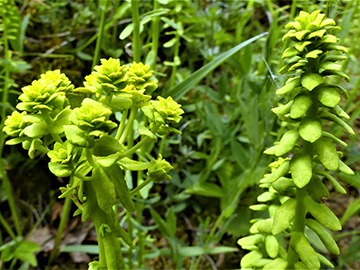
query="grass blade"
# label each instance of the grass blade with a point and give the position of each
(182, 88)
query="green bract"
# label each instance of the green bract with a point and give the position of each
(158, 169)
(295, 185)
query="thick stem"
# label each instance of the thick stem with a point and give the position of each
(110, 256)
(136, 31)
(155, 34)
(299, 223)
(100, 35)
(176, 57)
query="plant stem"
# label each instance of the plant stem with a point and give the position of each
(136, 31)
(122, 124)
(100, 35)
(299, 223)
(139, 187)
(7, 227)
(133, 149)
(130, 232)
(176, 59)
(133, 112)
(11, 200)
(155, 35)
(110, 256)
(64, 219)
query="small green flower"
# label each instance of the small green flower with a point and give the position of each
(15, 123)
(158, 169)
(92, 116)
(47, 93)
(140, 76)
(169, 110)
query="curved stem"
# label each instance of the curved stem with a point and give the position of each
(90, 158)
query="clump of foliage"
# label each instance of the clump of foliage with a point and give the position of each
(76, 128)
(306, 153)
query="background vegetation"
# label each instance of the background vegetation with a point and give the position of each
(195, 219)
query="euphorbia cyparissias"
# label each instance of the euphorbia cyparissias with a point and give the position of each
(77, 129)
(305, 153)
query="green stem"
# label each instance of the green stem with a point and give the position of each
(298, 224)
(162, 144)
(122, 124)
(90, 158)
(110, 256)
(11, 201)
(139, 187)
(133, 112)
(133, 149)
(136, 30)
(64, 219)
(176, 57)
(155, 35)
(139, 212)
(7, 227)
(100, 35)
(130, 228)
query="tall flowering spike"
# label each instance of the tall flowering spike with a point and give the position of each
(140, 76)
(305, 152)
(47, 93)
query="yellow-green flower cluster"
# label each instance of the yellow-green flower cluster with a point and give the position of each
(63, 159)
(140, 76)
(48, 93)
(15, 123)
(92, 117)
(111, 78)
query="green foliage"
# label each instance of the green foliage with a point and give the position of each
(293, 183)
